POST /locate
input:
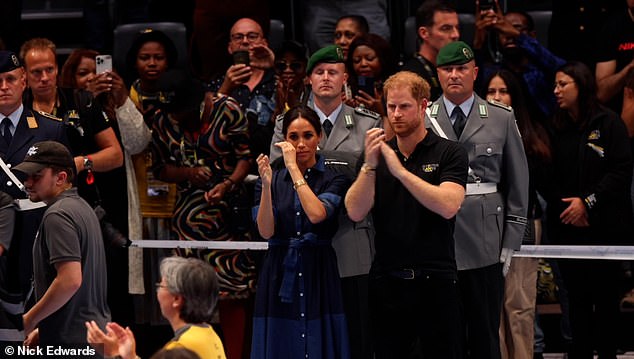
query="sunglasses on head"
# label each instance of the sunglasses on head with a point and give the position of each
(283, 65)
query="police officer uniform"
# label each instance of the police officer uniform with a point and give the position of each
(493, 214)
(354, 241)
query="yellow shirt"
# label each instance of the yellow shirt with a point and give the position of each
(201, 339)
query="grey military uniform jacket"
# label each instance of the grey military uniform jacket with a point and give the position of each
(348, 132)
(486, 223)
(353, 242)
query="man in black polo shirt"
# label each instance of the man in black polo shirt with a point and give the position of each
(414, 185)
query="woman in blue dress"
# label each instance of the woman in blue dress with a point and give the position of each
(299, 311)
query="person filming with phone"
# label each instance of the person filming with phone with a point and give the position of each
(250, 80)
(370, 62)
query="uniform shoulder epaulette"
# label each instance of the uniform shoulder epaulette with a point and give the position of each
(49, 116)
(500, 105)
(366, 112)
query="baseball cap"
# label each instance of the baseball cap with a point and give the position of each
(45, 154)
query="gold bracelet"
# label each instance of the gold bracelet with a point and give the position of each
(298, 184)
(368, 170)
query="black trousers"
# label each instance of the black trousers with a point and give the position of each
(357, 307)
(415, 318)
(593, 296)
(481, 293)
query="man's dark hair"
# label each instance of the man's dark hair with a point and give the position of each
(361, 21)
(425, 12)
(70, 172)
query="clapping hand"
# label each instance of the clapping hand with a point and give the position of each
(264, 169)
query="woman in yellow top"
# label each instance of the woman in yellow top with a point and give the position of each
(187, 295)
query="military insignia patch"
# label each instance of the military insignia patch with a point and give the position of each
(31, 122)
(48, 115)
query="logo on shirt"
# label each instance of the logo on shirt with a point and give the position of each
(626, 46)
(594, 135)
(430, 167)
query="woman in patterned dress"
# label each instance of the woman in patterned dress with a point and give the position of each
(206, 154)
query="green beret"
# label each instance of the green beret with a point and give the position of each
(8, 61)
(454, 53)
(332, 54)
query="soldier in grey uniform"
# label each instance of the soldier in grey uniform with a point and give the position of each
(344, 130)
(490, 224)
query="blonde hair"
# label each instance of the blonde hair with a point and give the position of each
(39, 43)
(418, 87)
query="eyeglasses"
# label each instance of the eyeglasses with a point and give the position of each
(561, 84)
(251, 36)
(280, 66)
(159, 285)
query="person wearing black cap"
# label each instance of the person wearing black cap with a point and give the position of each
(21, 127)
(68, 254)
(205, 151)
(490, 223)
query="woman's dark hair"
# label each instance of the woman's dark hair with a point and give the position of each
(304, 112)
(587, 87)
(67, 76)
(534, 136)
(360, 20)
(150, 35)
(382, 49)
(293, 47)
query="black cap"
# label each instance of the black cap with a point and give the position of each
(45, 154)
(8, 61)
(182, 91)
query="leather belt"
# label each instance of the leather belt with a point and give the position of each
(481, 188)
(408, 273)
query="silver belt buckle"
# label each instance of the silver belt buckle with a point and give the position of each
(412, 273)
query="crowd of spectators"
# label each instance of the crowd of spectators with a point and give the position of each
(335, 151)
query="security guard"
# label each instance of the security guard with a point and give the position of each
(344, 130)
(21, 127)
(491, 221)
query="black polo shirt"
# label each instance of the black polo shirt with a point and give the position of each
(408, 235)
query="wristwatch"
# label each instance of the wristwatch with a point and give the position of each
(87, 163)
